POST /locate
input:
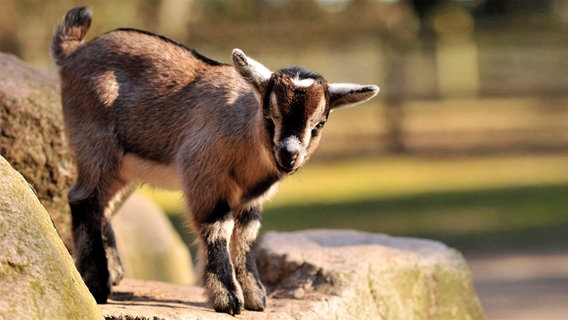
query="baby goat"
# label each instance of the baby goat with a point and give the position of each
(142, 108)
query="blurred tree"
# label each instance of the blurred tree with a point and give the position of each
(399, 38)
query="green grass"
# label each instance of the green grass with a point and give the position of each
(475, 203)
(473, 220)
(399, 176)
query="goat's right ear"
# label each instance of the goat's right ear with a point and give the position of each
(252, 71)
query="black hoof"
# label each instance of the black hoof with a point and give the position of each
(233, 307)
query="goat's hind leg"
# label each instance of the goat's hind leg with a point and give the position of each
(90, 258)
(115, 267)
(214, 234)
(96, 254)
(89, 200)
(246, 228)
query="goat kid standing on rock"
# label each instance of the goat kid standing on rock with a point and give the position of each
(139, 107)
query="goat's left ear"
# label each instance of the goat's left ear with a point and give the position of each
(252, 71)
(348, 94)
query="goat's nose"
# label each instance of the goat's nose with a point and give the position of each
(288, 152)
(288, 157)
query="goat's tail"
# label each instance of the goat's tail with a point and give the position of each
(69, 34)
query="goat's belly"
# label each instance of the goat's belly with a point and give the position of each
(134, 168)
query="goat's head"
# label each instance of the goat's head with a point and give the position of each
(296, 104)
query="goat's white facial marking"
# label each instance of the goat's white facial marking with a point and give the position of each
(302, 83)
(298, 108)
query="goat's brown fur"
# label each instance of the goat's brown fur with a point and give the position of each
(142, 108)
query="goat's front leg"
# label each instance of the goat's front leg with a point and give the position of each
(223, 291)
(246, 228)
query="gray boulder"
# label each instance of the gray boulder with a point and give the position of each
(32, 138)
(357, 275)
(38, 279)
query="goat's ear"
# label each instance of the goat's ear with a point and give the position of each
(348, 94)
(251, 70)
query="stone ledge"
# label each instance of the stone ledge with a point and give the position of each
(141, 300)
(326, 274)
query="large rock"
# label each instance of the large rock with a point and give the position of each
(148, 244)
(32, 137)
(37, 277)
(360, 275)
(328, 275)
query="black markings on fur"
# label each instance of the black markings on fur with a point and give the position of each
(251, 267)
(300, 72)
(76, 18)
(91, 259)
(294, 109)
(268, 123)
(80, 16)
(245, 267)
(218, 262)
(220, 212)
(266, 99)
(219, 265)
(248, 216)
(196, 54)
(218, 271)
(260, 187)
(271, 129)
(84, 212)
(296, 119)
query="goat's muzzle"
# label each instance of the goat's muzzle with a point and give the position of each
(289, 155)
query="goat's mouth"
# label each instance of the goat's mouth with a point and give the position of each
(286, 170)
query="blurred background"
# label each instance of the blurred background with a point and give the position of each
(467, 142)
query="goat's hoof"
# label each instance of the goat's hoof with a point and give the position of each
(233, 305)
(255, 300)
(100, 294)
(99, 289)
(256, 305)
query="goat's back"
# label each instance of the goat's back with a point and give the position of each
(152, 93)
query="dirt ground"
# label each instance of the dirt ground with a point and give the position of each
(522, 286)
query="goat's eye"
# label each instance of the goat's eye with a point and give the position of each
(317, 128)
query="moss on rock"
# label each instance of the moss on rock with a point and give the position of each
(38, 279)
(369, 276)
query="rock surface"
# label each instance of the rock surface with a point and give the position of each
(328, 275)
(32, 138)
(145, 300)
(38, 279)
(368, 276)
(149, 246)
